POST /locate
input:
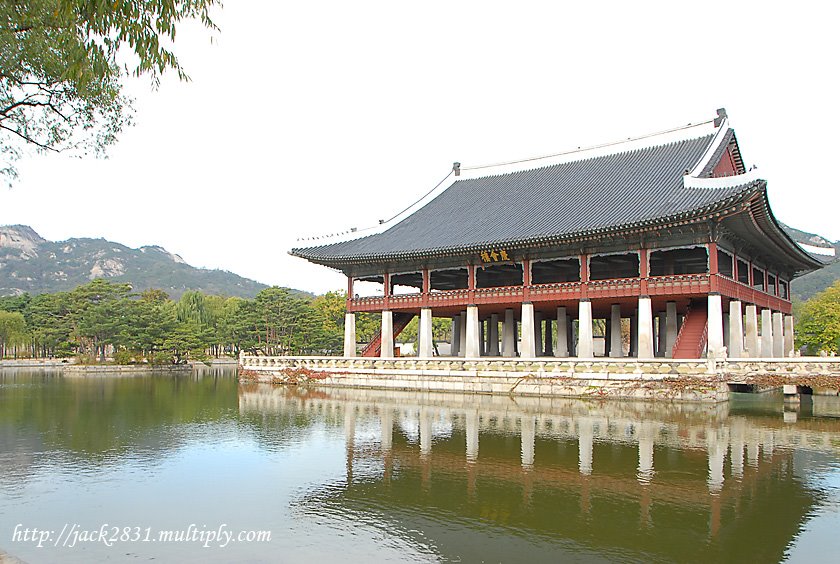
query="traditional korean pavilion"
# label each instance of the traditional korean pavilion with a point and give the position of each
(670, 233)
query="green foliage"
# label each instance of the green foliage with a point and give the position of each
(62, 63)
(12, 332)
(103, 318)
(818, 327)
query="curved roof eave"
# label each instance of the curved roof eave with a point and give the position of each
(688, 216)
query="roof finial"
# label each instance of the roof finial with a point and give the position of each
(721, 115)
(456, 168)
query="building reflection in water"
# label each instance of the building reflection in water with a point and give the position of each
(637, 480)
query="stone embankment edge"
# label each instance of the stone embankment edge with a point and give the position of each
(661, 379)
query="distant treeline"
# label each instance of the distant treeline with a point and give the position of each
(102, 319)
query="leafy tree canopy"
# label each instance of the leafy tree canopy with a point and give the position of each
(62, 63)
(819, 325)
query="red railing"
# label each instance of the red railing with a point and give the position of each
(671, 285)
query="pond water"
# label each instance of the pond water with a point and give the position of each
(140, 468)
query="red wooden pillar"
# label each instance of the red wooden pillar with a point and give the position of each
(426, 288)
(735, 267)
(386, 279)
(471, 283)
(713, 266)
(644, 271)
(526, 279)
(584, 275)
(349, 300)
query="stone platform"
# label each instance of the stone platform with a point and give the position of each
(665, 379)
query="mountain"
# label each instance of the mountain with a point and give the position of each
(30, 263)
(812, 283)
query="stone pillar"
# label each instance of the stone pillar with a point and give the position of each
(634, 333)
(473, 344)
(778, 335)
(426, 349)
(616, 347)
(715, 324)
(736, 330)
(508, 334)
(472, 434)
(766, 333)
(349, 335)
(789, 340)
(645, 329)
(586, 346)
(528, 432)
(482, 339)
(661, 333)
(562, 348)
(751, 332)
(529, 349)
(670, 328)
(548, 337)
(493, 336)
(387, 334)
(462, 334)
(538, 334)
(456, 335)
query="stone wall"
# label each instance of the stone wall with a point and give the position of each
(679, 380)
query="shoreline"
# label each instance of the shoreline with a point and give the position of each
(68, 366)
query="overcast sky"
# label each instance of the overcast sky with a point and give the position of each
(305, 118)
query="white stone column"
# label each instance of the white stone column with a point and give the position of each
(508, 334)
(789, 340)
(493, 336)
(585, 440)
(670, 328)
(616, 347)
(766, 333)
(751, 332)
(387, 334)
(529, 349)
(736, 330)
(778, 335)
(645, 330)
(561, 349)
(462, 334)
(349, 335)
(528, 433)
(715, 324)
(456, 335)
(426, 348)
(586, 346)
(472, 434)
(473, 345)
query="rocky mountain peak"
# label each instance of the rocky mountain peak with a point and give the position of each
(20, 238)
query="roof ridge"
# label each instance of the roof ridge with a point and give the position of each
(588, 158)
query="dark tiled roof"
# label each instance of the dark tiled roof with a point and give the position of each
(557, 201)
